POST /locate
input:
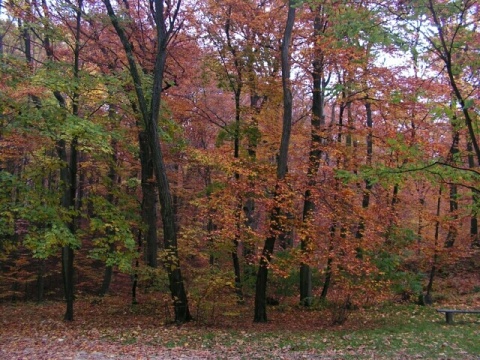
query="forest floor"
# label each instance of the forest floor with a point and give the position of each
(110, 328)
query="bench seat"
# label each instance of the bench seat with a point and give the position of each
(449, 313)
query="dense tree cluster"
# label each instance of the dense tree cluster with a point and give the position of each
(248, 149)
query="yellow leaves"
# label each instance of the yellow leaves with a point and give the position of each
(170, 258)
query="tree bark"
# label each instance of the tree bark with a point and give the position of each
(316, 140)
(68, 178)
(107, 279)
(41, 281)
(328, 278)
(275, 218)
(475, 239)
(427, 299)
(150, 114)
(238, 210)
(69, 174)
(237, 87)
(149, 204)
(453, 194)
(328, 268)
(67, 273)
(112, 176)
(368, 184)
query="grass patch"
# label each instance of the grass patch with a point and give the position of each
(401, 331)
(390, 332)
(387, 332)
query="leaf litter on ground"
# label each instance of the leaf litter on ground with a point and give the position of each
(111, 330)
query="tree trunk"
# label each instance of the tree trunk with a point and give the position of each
(306, 296)
(328, 268)
(237, 272)
(328, 278)
(262, 274)
(248, 247)
(107, 279)
(68, 173)
(135, 272)
(150, 115)
(41, 281)
(275, 218)
(112, 177)
(67, 274)
(317, 122)
(149, 204)
(256, 104)
(427, 299)
(179, 295)
(368, 184)
(238, 210)
(68, 177)
(475, 239)
(452, 228)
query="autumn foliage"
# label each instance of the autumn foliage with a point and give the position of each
(142, 143)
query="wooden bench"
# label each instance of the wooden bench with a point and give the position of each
(449, 313)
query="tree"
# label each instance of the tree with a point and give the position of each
(150, 113)
(275, 217)
(67, 153)
(455, 28)
(320, 82)
(447, 36)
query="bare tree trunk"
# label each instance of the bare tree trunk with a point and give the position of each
(107, 279)
(427, 299)
(135, 272)
(368, 184)
(112, 176)
(70, 175)
(149, 204)
(328, 278)
(275, 218)
(238, 210)
(150, 114)
(236, 83)
(452, 229)
(328, 269)
(41, 281)
(475, 239)
(315, 153)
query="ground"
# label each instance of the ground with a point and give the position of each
(111, 328)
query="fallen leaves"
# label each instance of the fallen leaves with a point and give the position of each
(113, 331)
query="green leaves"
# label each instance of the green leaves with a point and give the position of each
(46, 219)
(46, 241)
(112, 233)
(8, 212)
(91, 137)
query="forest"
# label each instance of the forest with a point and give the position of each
(219, 154)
